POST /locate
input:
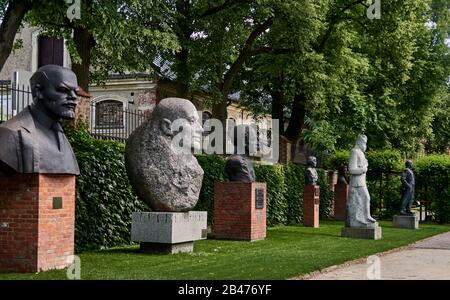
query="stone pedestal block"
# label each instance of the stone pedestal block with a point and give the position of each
(240, 210)
(369, 233)
(170, 232)
(37, 222)
(311, 201)
(340, 201)
(406, 221)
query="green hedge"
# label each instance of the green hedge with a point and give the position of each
(104, 199)
(284, 190)
(433, 183)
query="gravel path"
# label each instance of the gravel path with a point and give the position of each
(426, 259)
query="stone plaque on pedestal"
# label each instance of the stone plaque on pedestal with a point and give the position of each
(171, 232)
(406, 221)
(240, 210)
(311, 201)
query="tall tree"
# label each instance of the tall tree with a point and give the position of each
(11, 16)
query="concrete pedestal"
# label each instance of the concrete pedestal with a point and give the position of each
(170, 232)
(406, 221)
(340, 201)
(240, 211)
(311, 201)
(37, 222)
(369, 233)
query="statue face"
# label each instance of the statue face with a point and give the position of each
(58, 95)
(188, 129)
(312, 161)
(362, 144)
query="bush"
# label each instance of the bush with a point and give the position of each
(384, 161)
(294, 178)
(433, 183)
(104, 199)
(335, 160)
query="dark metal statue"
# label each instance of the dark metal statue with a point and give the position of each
(342, 177)
(33, 141)
(311, 172)
(239, 167)
(408, 184)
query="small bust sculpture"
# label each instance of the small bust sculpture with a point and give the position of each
(408, 185)
(311, 172)
(342, 179)
(33, 141)
(158, 157)
(239, 167)
(358, 204)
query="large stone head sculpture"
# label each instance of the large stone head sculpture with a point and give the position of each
(159, 161)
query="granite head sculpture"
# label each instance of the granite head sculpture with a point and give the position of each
(33, 141)
(160, 165)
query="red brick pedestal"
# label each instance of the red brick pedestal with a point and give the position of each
(237, 215)
(37, 222)
(340, 201)
(311, 200)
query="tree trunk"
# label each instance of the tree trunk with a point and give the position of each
(297, 119)
(84, 42)
(278, 108)
(10, 25)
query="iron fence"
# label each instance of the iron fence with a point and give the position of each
(114, 123)
(13, 99)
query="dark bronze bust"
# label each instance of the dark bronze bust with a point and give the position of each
(33, 141)
(342, 177)
(311, 172)
(239, 167)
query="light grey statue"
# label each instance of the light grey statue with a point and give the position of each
(160, 165)
(240, 167)
(408, 185)
(311, 172)
(358, 202)
(33, 141)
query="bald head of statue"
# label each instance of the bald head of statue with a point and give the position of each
(54, 91)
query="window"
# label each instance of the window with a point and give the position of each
(109, 114)
(50, 51)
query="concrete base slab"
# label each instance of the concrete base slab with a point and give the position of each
(362, 232)
(187, 247)
(406, 221)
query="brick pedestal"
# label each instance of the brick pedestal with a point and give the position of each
(237, 213)
(311, 200)
(37, 222)
(340, 201)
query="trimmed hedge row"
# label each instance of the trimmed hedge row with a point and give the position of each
(104, 199)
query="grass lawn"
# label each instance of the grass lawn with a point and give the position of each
(288, 251)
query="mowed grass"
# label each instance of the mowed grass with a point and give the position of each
(287, 252)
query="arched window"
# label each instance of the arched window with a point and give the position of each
(109, 114)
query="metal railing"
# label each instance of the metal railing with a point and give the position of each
(115, 124)
(13, 99)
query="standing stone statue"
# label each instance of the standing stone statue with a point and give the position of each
(240, 167)
(33, 141)
(408, 185)
(358, 203)
(159, 161)
(311, 172)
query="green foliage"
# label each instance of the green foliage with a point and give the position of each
(104, 199)
(326, 196)
(214, 170)
(276, 192)
(433, 183)
(382, 161)
(294, 178)
(338, 158)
